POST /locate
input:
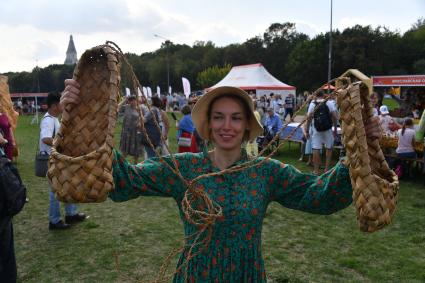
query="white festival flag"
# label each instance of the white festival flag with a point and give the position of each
(186, 87)
(169, 89)
(149, 92)
(127, 91)
(145, 91)
(158, 91)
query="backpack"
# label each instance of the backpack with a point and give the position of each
(322, 117)
(152, 130)
(13, 193)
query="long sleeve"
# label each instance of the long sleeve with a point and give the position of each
(150, 178)
(323, 194)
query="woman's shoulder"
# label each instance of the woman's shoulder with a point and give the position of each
(269, 162)
(188, 157)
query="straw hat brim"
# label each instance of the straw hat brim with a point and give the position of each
(200, 111)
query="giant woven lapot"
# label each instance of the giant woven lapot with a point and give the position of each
(375, 185)
(80, 165)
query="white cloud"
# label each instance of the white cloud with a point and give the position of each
(307, 28)
(23, 46)
(220, 34)
(347, 22)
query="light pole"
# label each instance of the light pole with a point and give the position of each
(330, 52)
(168, 61)
(35, 119)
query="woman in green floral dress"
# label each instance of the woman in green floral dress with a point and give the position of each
(225, 117)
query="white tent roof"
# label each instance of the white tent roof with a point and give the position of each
(253, 76)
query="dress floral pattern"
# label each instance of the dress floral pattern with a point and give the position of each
(234, 254)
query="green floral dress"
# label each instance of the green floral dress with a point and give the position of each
(234, 254)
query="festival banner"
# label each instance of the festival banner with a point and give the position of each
(127, 92)
(413, 80)
(149, 92)
(186, 87)
(158, 91)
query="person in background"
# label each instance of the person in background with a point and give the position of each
(387, 123)
(253, 95)
(7, 133)
(374, 102)
(170, 102)
(186, 129)
(406, 143)
(3, 141)
(275, 103)
(306, 149)
(320, 138)
(165, 127)
(163, 102)
(129, 141)
(289, 106)
(182, 101)
(420, 136)
(49, 127)
(273, 123)
(149, 118)
(252, 146)
(261, 108)
(8, 270)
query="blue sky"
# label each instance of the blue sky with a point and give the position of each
(37, 31)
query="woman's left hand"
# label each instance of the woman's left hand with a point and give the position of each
(372, 128)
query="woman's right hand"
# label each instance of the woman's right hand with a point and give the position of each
(3, 141)
(71, 93)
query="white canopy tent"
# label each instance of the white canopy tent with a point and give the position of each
(255, 77)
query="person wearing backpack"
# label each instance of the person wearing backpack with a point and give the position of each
(49, 127)
(322, 117)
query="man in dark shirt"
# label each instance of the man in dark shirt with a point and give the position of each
(289, 106)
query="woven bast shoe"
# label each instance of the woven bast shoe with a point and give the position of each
(375, 185)
(80, 165)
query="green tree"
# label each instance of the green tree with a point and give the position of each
(212, 75)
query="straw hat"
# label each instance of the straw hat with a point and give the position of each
(200, 111)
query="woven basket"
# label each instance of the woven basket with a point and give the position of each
(80, 165)
(6, 106)
(375, 185)
(6, 103)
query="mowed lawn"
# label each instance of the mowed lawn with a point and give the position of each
(128, 242)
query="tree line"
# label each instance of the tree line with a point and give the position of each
(289, 55)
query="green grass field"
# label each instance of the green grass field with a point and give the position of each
(127, 242)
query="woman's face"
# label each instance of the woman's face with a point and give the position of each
(228, 123)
